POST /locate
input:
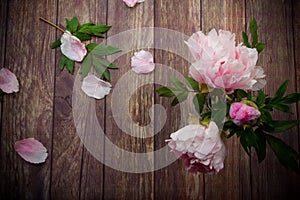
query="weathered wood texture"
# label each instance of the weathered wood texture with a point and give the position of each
(43, 107)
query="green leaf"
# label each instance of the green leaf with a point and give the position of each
(96, 30)
(82, 36)
(260, 47)
(70, 66)
(287, 156)
(179, 98)
(253, 31)
(261, 142)
(100, 68)
(291, 98)
(266, 116)
(107, 63)
(192, 83)
(55, 44)
(199, 101)
(261, 98)
(102, 49)
(282, 107)
(241, 93)
(86, 66)
(246, 40)
(63, 61)
(178, 84)
(280, 126)
(86, 24)
(281, 90)
(72, 25)
(106, 75)
(91, 46)
(165, 92)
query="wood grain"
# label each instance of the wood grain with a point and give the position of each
(43, 107)
(118, 184)
(234, 179)
(67, 149)
(92, 169)
(170, 15)
(270, 180)
(3, 17)
(28, 113)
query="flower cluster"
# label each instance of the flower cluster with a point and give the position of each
(227, 84)
(74, 50)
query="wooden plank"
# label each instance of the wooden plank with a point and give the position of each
(67, 148)
(3, 17)
(233, 182)
(29, 112)
(92, 169)
(270, 180)
(174, 182)
(118, 184)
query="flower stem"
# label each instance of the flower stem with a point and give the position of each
(52, 24)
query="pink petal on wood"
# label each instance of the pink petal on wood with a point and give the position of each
(142, 62)
(72, 47)
(8, 81)
(131, 3)
(95, 87)
(31, 150)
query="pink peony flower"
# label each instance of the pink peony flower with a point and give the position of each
(142, 62)
(201, 148)
(241, 113)
(31, 150)
(131, 3)
(95, 87)
(8, 81)
(72, 47)
(221, 64)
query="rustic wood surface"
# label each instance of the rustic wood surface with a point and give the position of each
(43, 107)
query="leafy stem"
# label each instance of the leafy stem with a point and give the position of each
(52, 24)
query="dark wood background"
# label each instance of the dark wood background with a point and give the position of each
(43, 107)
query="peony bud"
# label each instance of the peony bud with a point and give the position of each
(242, 114)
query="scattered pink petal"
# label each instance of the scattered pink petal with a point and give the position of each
(72, 47)
(95, 87)
(31, 150)
(131, 3)
(8, 81)
(142, 62)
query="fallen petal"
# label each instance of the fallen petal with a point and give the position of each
(8, 81)
(142, 62)
(31, 150)
(72, 47)
(95, 87)
(131, 3)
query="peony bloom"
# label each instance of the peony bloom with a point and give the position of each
(241, 113)
(95, 87)
(221, 64)
(201, 148)
(8, 81)
(31, 150)
(142, 62)
(131, 3)
(72, 47)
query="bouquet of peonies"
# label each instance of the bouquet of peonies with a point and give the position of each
(228, 97)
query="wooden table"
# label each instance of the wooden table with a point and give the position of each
(43, 107)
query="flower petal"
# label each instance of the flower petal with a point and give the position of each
(72, 47)
(142, 62)
(31, 150)
(131, 3)
(95, 87)
(8, 81)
